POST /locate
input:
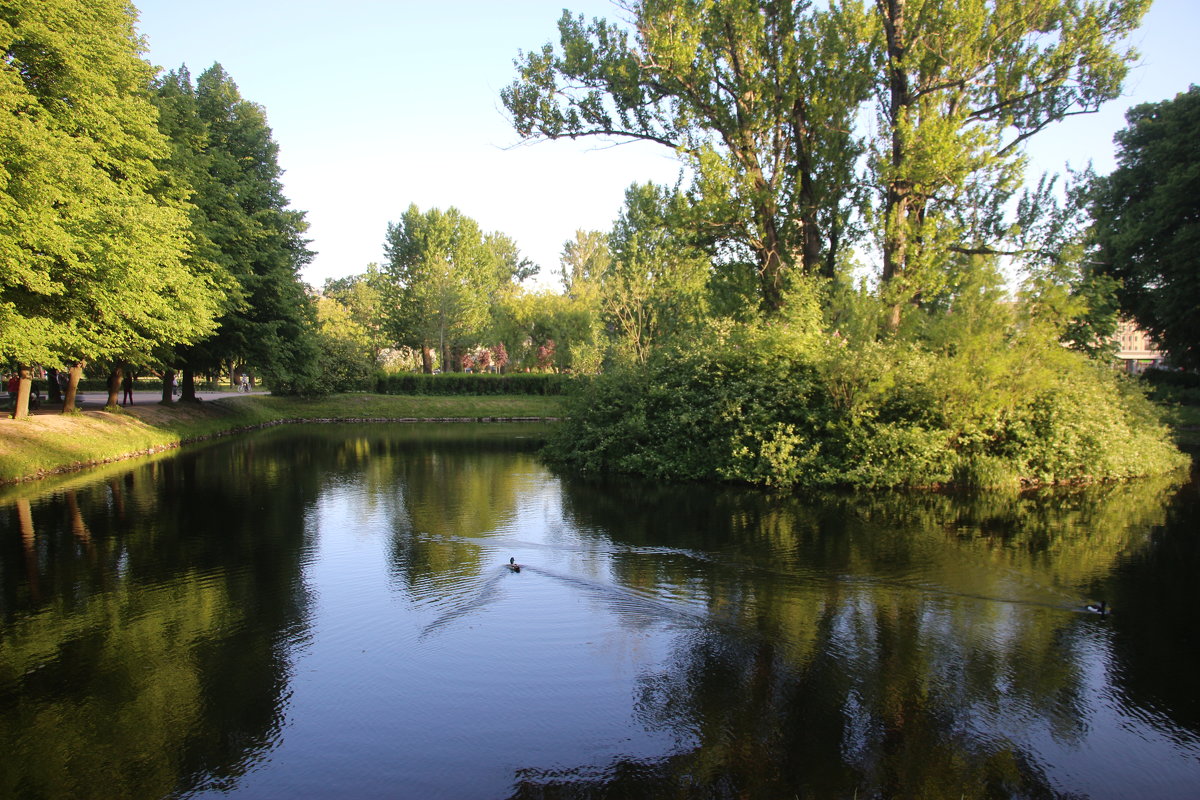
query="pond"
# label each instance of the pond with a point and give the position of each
(325, 611)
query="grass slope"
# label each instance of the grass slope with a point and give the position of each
(49, 442)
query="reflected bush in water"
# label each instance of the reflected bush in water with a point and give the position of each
(1157, 619)
(877, 631)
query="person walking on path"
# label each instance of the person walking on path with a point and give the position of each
(127, 385)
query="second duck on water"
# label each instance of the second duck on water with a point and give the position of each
(513, 565)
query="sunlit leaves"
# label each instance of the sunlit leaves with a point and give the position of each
(95, 257)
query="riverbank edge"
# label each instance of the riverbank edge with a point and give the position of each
(46, 445)
(56, 444)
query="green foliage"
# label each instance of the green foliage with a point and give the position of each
(772, 107)
(472, 384)
(584, 259)
(441, 279)
(94, 245)
(1172, 377)
(1177, 390)
(526, 323)
(655, 287)
(225, 156)
(960, 87)
(982, 398)
(345, 356)
(757, 98)
(1147, 215)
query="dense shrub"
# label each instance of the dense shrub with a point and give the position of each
(771, 407)
(472, 383)
(345, 366)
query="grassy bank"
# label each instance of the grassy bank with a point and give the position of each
(49, 442)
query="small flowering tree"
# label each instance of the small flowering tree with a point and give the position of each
(500, 354)
(483, 357)
(545, 355)
(468, 360)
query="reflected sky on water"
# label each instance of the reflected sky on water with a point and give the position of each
(315, 611)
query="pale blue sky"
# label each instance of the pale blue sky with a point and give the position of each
(377, 104)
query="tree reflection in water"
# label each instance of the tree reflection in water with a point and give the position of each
(882, 653)
(157, 627)
(145, 627)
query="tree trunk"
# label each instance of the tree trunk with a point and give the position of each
(770, 269)
(29, 545)
(187, 392)
(810, 231)
(73, 385)
(899, 190)
(21, 407)
(168, 383)
(427, 360)
(114, 386)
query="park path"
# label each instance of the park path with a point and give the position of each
(94, 401)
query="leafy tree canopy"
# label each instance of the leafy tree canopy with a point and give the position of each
(225, 153)
(1147, 222)
(94, 247)
(771, 104)
(443, 275)
(732, 87)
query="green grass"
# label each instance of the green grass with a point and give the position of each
(49, 442)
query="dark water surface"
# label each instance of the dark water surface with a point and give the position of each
(324, 611)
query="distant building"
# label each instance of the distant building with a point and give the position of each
(1136, 351)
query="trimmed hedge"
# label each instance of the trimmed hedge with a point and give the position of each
(472, 384)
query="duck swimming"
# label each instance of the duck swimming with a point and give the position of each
(1100, 608)
(513, 565)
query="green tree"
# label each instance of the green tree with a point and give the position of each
(757, 96)
(94, 242)
(346, 357)
(362, 297)
(584, 259)
(227, 154)
(960, 87)
(1147, 222)
(443, 275)
(656, 286)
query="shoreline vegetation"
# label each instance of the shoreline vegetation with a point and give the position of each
(969, 405)
(52, 443)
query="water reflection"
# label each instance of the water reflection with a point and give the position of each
(145, 621)
(927, 645)
(324, 610)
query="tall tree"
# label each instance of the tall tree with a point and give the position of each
(960, 87)
(443, 275)
(758, 97)
(1147, 222)
(94, 245)
(248, 229)
(362, 296)
(584, 259)
(656, 285)
(346, 359)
